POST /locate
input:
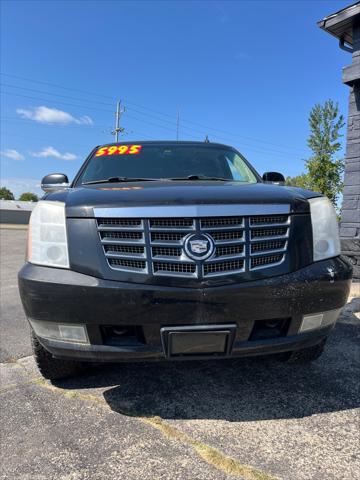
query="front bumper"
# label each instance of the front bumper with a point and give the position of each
(65, 296)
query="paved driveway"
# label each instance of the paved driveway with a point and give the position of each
(14, 339)
(253, 419)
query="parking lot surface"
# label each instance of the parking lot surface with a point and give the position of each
(253, 419)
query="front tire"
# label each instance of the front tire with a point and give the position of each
(306, 355)
(52, 368)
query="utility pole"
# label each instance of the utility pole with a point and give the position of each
(118, 129)
(177, 126)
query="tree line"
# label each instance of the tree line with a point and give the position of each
(6, 194)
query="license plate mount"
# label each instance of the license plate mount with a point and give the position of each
(195, 341)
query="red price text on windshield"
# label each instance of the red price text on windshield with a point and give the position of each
(119, 150)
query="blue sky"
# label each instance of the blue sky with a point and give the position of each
(245, 73)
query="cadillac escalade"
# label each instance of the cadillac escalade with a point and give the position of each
(178, 250)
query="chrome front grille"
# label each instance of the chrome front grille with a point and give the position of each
(221, 237)
(223, 267)
(122, 236)
(259, 247)
(229, 250)
(127, 263)
(174, 268)
(166, 223)
(120, 222)
(166, 252)
(128, 250)
(269, 219)
(165, 237)
(156, 246)
(221, 222)
(268, 232)
(260, 262)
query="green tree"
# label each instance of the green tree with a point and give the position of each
(302, 181)
(6, 194)
(28, 197)
(324, 170)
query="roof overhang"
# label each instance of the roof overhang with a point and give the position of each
(340, 24)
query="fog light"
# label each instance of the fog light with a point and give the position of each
(330, 317)
(63, 332)
(310, 322)
(319, 320)
(73, 333)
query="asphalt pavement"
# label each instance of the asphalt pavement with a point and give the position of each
(14, 330)
(253, 419)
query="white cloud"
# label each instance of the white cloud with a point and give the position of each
(12, 154)
(51, 152)
(52, 115)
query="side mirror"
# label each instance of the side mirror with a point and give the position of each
(273, 177)
(54, 182)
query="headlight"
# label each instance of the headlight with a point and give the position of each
(326, 240)
(47, 240)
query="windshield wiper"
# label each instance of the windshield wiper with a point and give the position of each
(202, 177)
(130, 179)
(120, 179)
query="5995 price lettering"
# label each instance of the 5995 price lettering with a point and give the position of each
(119, 150)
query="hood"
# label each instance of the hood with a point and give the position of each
(80, 201)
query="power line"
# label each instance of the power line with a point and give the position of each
(83, 106)
(233, 135)
(81, 91)
(66, 103)
(48, 140)
(34, 124)
(258, 149)
(157, 125)
(58, 101)
(226, 138)
(54, 94)
(55, 85)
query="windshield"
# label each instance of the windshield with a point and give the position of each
(154, 161)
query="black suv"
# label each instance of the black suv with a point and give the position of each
(178, 250)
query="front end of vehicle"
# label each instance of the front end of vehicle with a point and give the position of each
(196, 280)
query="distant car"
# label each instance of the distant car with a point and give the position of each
(178, 250)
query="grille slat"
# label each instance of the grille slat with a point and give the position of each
(260, 262)
(122, 235)
(178, 268)
(124, 251)
(119, 223)
(269, 232)
(221, 222)
(166, 237)
(156, 245)
(226, 236)
(258, 248)
(269, 220)
(127, 263)
(166, 252)
(229, 250)
(171, 223)
(223, 267)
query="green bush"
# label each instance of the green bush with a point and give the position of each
(28, 197)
